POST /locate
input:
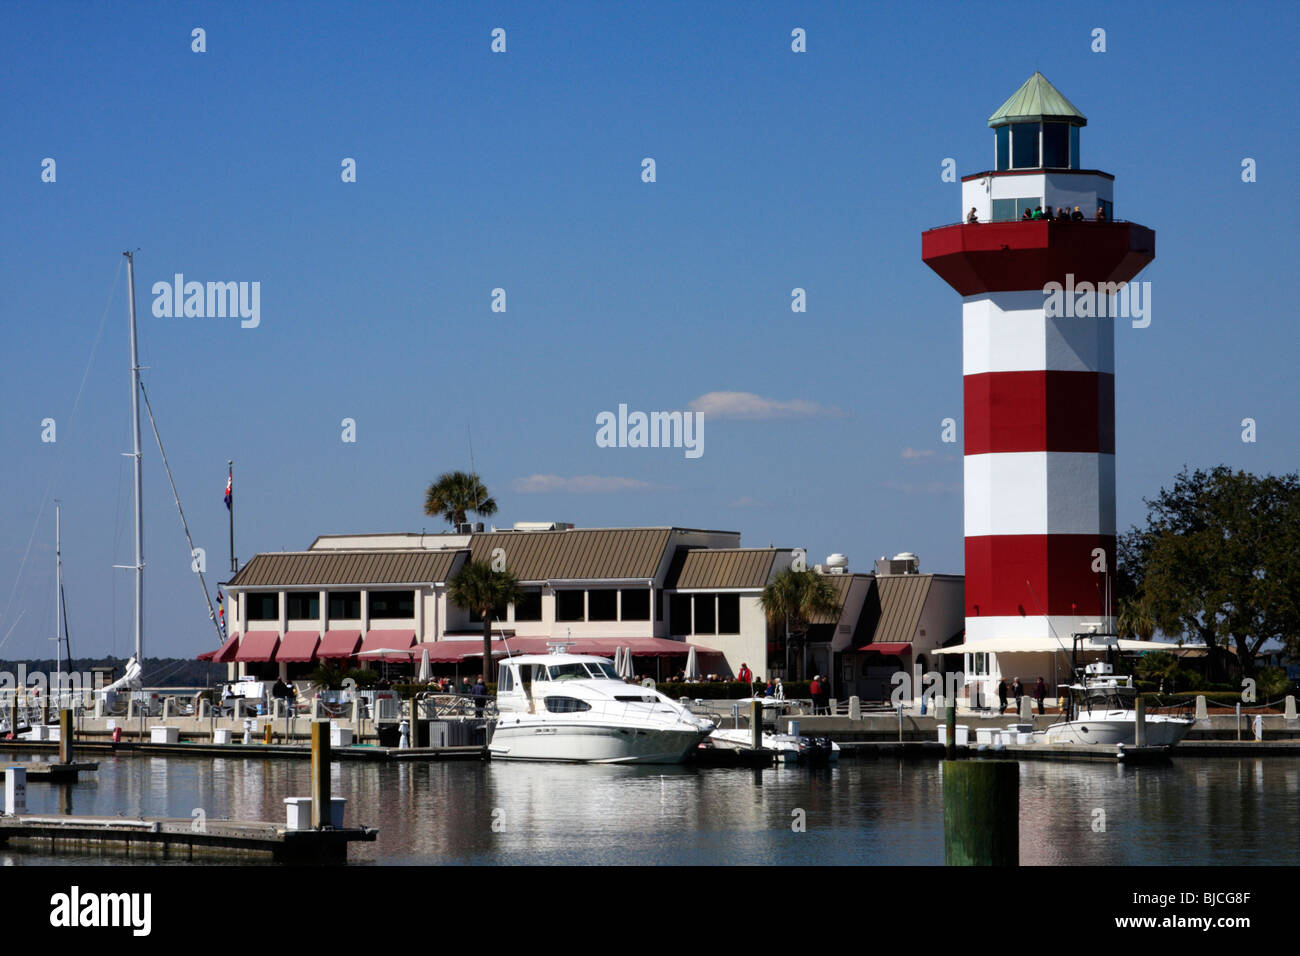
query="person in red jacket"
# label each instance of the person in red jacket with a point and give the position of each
(746, 676)
(815, 692)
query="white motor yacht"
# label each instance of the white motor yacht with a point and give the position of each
(1104, 713)
(575, 707)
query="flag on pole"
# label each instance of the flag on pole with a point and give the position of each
(230, 478)
(221, 613)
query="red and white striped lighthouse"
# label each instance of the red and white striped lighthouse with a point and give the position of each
(1039, 386)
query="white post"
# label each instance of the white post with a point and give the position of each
(1290, 707)
(15, 790)
(855, 708)
(1202, 709)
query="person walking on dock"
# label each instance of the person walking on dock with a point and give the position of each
(1040, 694)
(1018, 690)
(1002, 695)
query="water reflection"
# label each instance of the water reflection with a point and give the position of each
(861, 813)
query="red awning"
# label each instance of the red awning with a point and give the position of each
(903, 647)
(298, 647)
(225, 654)
(387, 640)
(258, 647)
(453, 652)
(339, 644)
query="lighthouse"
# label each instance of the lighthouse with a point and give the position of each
(1038, 380)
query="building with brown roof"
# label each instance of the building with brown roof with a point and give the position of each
(658, 590)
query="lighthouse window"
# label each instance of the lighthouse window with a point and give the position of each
(1010, 210)
(1024, 145)
(1056, 145)
(1003, 136)
(1074, 147)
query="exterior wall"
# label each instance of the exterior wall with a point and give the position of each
(747, 647)
(1055, 189)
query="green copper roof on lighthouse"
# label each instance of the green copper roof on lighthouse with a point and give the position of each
(1037, 101)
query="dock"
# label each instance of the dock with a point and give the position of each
(207, 749)
(935, 751)
(178, 839)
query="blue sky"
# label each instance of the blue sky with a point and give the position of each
(522, 171)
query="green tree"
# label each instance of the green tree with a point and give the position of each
(455, 494)
(476, 587)
(1216, 563)
(795, 598)
(1133, 619)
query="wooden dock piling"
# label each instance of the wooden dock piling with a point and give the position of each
(981, 812)
(320, 774)
(65, 736)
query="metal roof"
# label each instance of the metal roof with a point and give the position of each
(902, 598)
(841, 583)
(326, 568)
(1037, 100)
(577, 553)
(721, 568)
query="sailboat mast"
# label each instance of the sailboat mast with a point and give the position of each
(138, 463)
(58, 597)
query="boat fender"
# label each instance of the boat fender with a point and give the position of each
(117, 735)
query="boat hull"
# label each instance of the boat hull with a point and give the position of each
(1104, 731)
(592, 743)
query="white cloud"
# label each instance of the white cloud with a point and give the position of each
(747, 405)
(916, 454)
(579, 484)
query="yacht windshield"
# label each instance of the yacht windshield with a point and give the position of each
(602, 670)
(568, 672)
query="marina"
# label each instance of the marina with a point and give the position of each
(860, 812)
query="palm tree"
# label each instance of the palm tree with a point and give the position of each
(476, 587)
(796, 597)
(455, 494)
(1134, 619)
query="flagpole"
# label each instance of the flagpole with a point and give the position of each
(230, 507)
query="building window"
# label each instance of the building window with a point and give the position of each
(529, 607)
(1003, 136)
(1024, 145)
(602, 605)
(345, 605)
(1074, 147)
(659, 605)
(262, 606)
(303, 605)
(570, 605)
(392, 604)
(1107, 208)
(636, 604)
(1056, 145)
(706, 614)
(728, 613)
(679, 613)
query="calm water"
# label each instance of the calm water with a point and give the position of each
(1190, 811)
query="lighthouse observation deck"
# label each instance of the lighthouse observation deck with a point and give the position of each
(982, 257)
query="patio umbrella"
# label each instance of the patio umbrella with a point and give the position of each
(692, 666)
(426, 668)
(627, 663)
(618, 661)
